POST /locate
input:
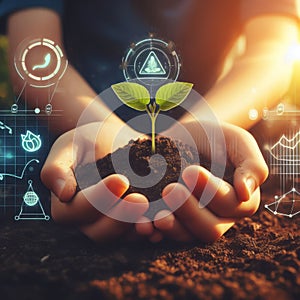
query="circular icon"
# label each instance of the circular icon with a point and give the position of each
(48, 109)
(37, 110)
(41, 62)
(30, 197)
(14, 108)
(151, 61)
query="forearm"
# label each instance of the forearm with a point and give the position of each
(259, 77)
(73, 94)
(256, 81)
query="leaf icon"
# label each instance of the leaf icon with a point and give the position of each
(172, 94)
(132, 94)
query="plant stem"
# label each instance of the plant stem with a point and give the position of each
(153, 115)
(153, 119)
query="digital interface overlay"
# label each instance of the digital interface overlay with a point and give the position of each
(283, 153)
(24, 132)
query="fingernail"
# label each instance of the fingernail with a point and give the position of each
(250, 182)
(190, 175)
(124, 179)
(59, 186)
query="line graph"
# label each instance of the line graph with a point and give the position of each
(285, 163)
(287, 149)
(2, 175)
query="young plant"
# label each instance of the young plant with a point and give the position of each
(138, 97)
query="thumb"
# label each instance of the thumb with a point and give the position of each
(251, 169)
(60, 180)
(248, 176)
(57, 174)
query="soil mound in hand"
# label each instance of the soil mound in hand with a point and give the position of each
(137, 162)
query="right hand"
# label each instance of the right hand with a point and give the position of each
(224, 203)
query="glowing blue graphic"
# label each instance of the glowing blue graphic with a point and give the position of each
(37, 110)
(31, 208)
(30, 198)
(152, 65)
(3, 127)
(286, 205)
(152, 62)
(31, 142)
(14, 108)
(285, 162)
(55, 70)
(2, 175)
(48, 109)
(46, 63)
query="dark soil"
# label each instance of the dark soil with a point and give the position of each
(258, 258)
(176, 154)
(177, 157)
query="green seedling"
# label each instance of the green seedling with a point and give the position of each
(138, 97)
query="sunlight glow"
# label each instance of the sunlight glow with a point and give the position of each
(293, 53)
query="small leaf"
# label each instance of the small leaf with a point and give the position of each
(172, 94)
(132, 94)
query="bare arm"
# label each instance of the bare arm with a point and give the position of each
(74, 92)
(259, 77)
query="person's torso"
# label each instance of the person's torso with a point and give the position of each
(97, 34)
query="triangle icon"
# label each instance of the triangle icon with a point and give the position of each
(152, 66)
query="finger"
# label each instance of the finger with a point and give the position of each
(88, 203)
(156, 236)
(200, 222)
(219, 196)
(251, 169)
(170, 227)
(132, 236)
(57, 174)
(107, 228)
(130, 209)
(247, 179)
(144, 226)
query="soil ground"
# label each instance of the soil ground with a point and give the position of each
(259, 258)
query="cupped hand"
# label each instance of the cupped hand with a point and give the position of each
(81, 146)
(207, 206)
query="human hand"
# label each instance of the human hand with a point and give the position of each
(82, 146)
(211, 218)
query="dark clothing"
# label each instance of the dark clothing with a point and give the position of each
(97, 33)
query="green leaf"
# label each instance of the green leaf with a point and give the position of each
(172, 94)
(132, 94)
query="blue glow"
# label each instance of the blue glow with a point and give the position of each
(2, 175)
(31, 208)
(9, 155)
(45, 64)
(31, 142)
(5, 127)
